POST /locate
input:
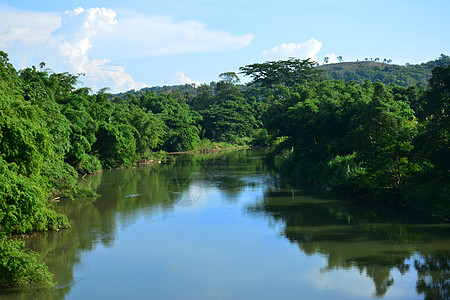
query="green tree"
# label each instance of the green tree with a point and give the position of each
(285, 72)
(181, 122)
(229, 120)
(435, 116)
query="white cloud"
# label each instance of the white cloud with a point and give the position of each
(90, 40)
(28, 27)
(308, 49)
(183, 79)
(78, 32)
(158, 36)
(80, 26)
(25, 35)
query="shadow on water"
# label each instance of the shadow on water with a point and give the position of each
(376, 239)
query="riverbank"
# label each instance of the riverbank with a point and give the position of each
(215, 149)
(342, 176)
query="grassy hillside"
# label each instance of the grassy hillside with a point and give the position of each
(386, 73)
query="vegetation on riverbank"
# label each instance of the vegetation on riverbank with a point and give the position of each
(370, 140)
(363, 138)
(19, 266)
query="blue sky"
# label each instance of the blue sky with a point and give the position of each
(132, 44)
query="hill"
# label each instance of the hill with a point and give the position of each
(406, 75)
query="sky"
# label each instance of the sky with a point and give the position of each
(133, 44)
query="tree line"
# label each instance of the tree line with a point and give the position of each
(362, 138)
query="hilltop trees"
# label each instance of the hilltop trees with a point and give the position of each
(283, 72)
(385, 72)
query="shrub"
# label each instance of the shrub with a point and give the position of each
(23, 204)
(20, 267)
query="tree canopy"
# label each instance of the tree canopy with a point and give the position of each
(284, 72)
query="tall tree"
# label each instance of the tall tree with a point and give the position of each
(285, 72)
(435, 116)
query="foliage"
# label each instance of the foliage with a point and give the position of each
(228, 121)
(366, 138)
(23, 204)
(285, 72)
(434, 141)
(176, 121)
(19, 267)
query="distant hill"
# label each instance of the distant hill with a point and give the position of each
(406, 75)
(386, 73)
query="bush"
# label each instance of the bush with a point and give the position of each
(19, 267)
(260, 137)
(23, 204)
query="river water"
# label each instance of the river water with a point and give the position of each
(223, 226)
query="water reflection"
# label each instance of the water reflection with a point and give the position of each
(377, 241)
(372, 238)
(434, 275)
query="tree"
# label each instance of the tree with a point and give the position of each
(230, 77)
(339, 58)
(27, 151)
(434, 141)
(229, 120)
(115, 145)
(180, 121)
(227, 86)
(285, 72)
(326, 59)
(204, 97)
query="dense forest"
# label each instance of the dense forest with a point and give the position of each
(357, 136)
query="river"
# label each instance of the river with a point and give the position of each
(224, 226)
